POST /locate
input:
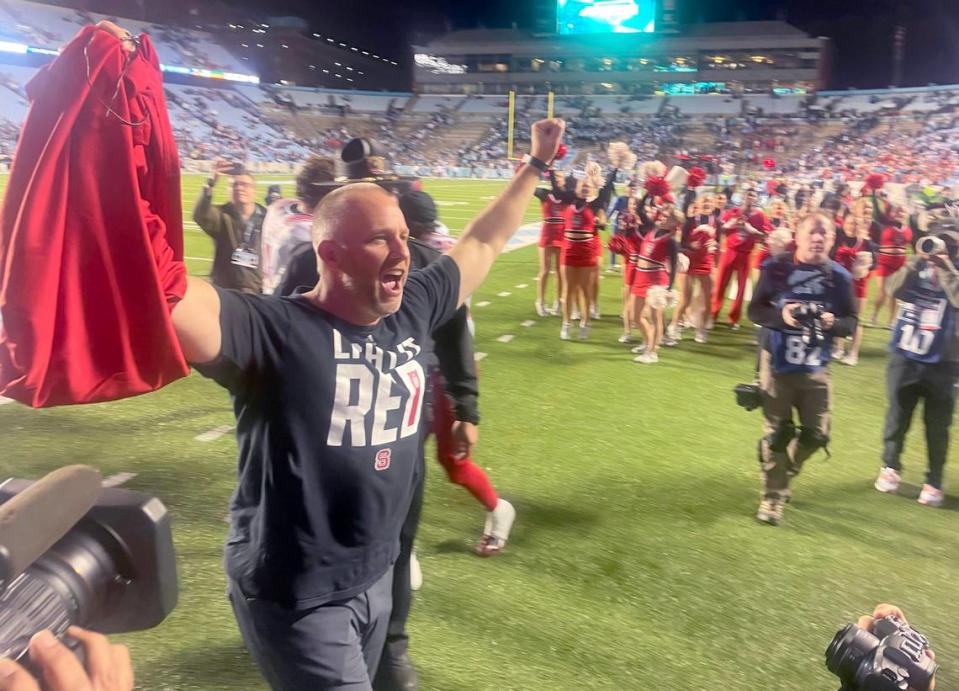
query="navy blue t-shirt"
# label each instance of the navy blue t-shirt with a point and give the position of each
(328, 426)
(780, 282)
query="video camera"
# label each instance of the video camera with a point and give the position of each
(364, 160)
(892, 657)
(75, 553)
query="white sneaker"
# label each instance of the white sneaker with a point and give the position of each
(574, 315)
(564, 332)
(499, 522)
(838, 352)
(647, 358)
(710, 323)
(541, 309)
(554, 310)
(734, 327)
(625, 338)
(851, 360)
(888, 480)
(583, 333)
(674, 332)
(931, 496)
(669, 341)
(701, 336)
(594, 312)
(416, 573)
(637, 350)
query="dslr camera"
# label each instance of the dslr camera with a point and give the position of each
(748, 396)
(893, 657)
(809, 317)
(73, 553)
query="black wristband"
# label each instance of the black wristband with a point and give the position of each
(537, 163)
(210, 182)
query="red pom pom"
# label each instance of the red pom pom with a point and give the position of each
(875, 181)
(560, 152)
(769, 163)
(657, 186)
(697, 176)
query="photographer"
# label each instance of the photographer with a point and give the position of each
(235, 228)
(801, 305)
(924, 362)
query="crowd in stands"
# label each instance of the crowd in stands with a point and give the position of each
(910, 135)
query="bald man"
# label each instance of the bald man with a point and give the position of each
(327, 388)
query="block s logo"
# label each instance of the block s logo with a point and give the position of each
(382, 461)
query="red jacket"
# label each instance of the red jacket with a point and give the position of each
(91, 237)
(739, 240)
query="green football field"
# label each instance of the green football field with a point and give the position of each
(635, 561)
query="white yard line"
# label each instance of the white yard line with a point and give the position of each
(504, 294)
(485, 303)
(528, 323)
(522, 285)
(214, 433)
(5, 401)
(479, 356)
(505, 338)
(118, 479)
(199, 259)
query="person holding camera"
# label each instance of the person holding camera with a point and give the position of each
(801, 305)
(107, 665)
(924, 363)
(235, 228)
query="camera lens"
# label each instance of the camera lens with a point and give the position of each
(931, 245)
(848, 649)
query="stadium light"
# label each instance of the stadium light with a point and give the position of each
(10, 47)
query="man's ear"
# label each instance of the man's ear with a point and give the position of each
(328, 252)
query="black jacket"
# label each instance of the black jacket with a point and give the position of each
(452, 342)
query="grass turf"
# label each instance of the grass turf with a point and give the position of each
(635, 562)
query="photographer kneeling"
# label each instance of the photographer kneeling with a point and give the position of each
(801, 304)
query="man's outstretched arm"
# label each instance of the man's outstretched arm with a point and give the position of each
(196, 319)
(486, 235)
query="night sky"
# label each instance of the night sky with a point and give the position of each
(861, 30)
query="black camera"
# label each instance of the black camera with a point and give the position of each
(748, 396)
(111, 568)
(891, 658)
(364, 160)
(809, 317)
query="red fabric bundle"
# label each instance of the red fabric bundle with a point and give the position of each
(91, 236)
(769, 163)
(657, 186)
(874, 181)
(618, 245)
(697, 176)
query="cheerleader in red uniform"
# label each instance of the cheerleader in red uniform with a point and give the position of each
(699, 246)
(655, 271)
(693, 246)
(579, 259)
(854, 251)
(626, 243)
(553, 207)
(894, 239)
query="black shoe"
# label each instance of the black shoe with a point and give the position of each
(396, 673)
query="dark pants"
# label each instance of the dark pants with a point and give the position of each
(906, 382)
(397, 641)
(336, 645)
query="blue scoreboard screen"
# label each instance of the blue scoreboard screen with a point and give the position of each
(605, 16)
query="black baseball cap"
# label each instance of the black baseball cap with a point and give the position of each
(418, 207)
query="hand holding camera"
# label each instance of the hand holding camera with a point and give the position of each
(108, 666)
(882, 652)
